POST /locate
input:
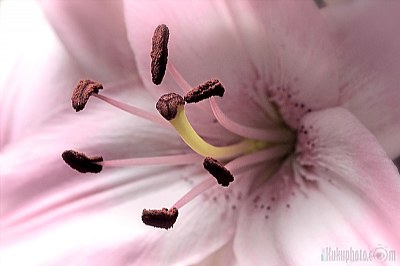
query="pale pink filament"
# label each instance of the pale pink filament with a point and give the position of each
(134, 110)
(194, 192)
(270, 134)
(259, 157)
(159, 160)
(182, 83)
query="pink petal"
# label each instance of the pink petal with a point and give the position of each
(340, 191)
(370, 64)
(39, 70)
(291, 49)
(251, 50)
(223, 256)
(94, 33)
(101, 223)
(362, 167)
(109, 231)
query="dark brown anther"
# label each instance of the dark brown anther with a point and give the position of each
(81, 162)
(159, 53)
(82, 92)
(160, 218)
(209, 88)
(168, 105)
(216, 169)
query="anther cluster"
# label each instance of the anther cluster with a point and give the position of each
(80, 162)
(83, 91)
(159, 53)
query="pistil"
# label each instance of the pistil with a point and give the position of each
(171, 107)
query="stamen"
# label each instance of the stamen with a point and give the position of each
(87, 88)
(169, 104)
(159, 53)
(216, 169)
(133, 110)
(81, 162)
(160, 218)
(83, 91)
(204, 91)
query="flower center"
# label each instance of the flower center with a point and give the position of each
(222, 162)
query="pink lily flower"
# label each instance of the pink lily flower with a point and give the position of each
(308, 127)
